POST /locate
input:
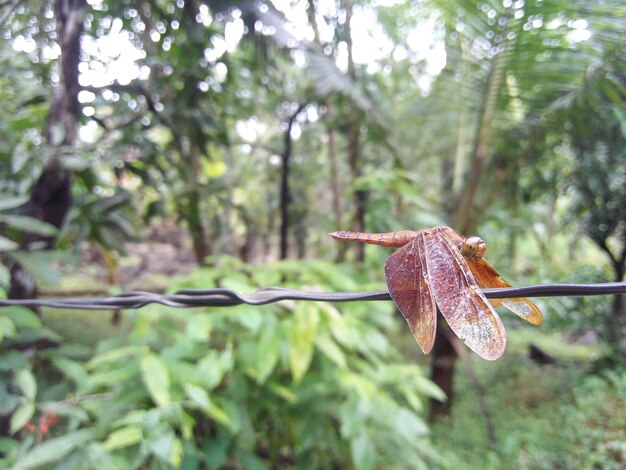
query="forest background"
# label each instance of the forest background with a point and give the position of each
(158, 145)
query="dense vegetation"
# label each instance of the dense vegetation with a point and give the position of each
(161, 145)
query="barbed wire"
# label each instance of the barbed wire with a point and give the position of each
(186, 298)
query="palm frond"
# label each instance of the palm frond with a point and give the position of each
(327, 78)
(322, 71)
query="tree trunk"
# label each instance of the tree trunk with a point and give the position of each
(447, 182)
(442, 371)
(359, 198)
(285, 195)
(285, 199)
(342, 248)
(463, 213)
(334, 178)
(194, 200)
(615, 324)
(196, 230)
(50, 198)
(444, 354)
(246, 248)
(354, 150)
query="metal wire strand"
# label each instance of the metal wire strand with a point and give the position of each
(226, 297)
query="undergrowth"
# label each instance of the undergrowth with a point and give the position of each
(559, 416)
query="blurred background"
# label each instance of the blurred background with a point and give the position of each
(158, 145)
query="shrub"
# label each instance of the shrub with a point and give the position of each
(289, 384)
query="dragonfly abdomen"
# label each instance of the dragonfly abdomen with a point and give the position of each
(394, 239)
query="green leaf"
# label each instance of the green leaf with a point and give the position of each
(234, 411)
(363, 451)
(411, 424)
(76, 162)
(331, 351)
(213, 366)
(20, 158)
(198, 395)
(123, 437)
(267, 354)
(7, 245)
(216, 450)
(71, 369)
(12, 360)
(250, 461)
(78, 459)
(134, 417)
(21, 316)
(201, 398)
(74, 412)
(338, 326)
(28, 384)
(218, 415)
(167, 448)
(7, 328)
(112, 377)
(112, 356)
(199, 327)
(301, 339)
(283, 392)
(11, 202)
(5, 276)
(26, 117)
(413, 399)
(29, 224)
(99, 457)
(54, 449)
(8, 401)
(9, 448)
(429, 388)
(21, 416)
(39, 265)
(155, 376)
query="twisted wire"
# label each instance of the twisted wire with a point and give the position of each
(185, 298)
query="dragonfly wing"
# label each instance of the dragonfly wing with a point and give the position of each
(407, 280)
(460, 300)
(487, 276)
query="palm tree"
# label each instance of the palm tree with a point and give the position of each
(513, 69)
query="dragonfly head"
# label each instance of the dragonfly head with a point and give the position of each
(473, 247)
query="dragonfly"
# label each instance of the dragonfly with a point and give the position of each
(438, 268)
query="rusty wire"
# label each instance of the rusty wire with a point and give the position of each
(226, 297)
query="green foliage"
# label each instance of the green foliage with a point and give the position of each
(55, 449)
(524, 105)
(107, 221)
(301, 384)
(596, 423)
(19, 389)
(545, 417)
(598, 173)
(15, 227)
(581, 314)
(25, 108)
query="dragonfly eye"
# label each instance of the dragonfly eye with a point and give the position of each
(473, 247)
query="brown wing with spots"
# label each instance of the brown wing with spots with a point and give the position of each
(406, 272)
(460, 300)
